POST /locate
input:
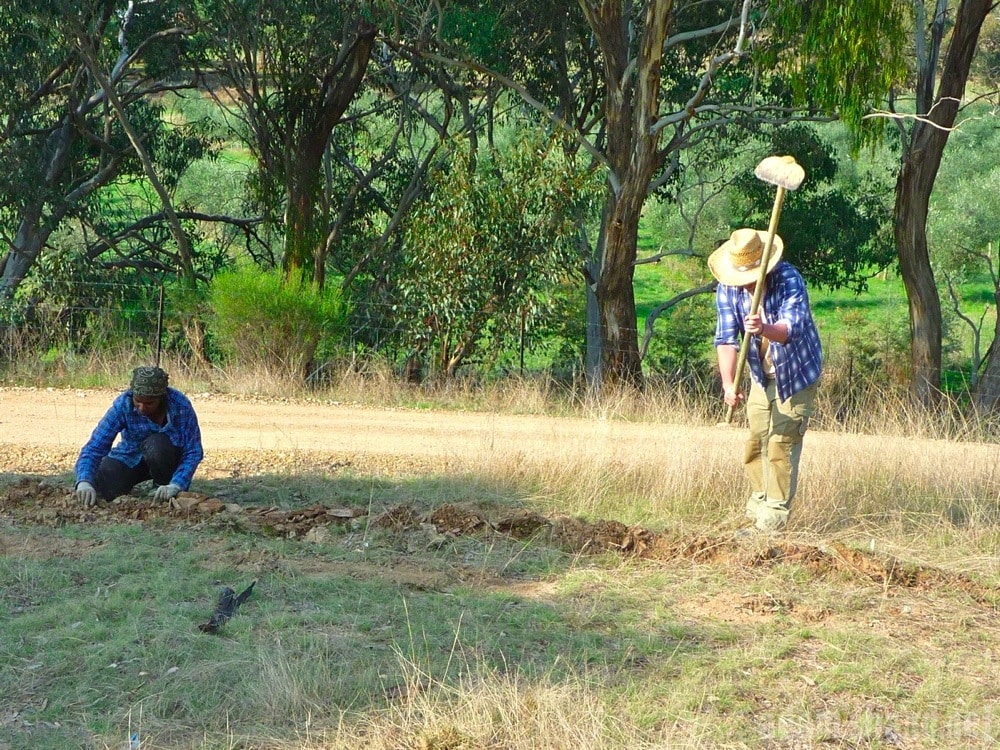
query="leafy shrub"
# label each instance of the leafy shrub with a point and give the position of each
(260, 319)
(490, 248)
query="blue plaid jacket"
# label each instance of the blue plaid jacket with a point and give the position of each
(798, 362)
(123, 419)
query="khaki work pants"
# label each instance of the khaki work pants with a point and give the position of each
(773, 451)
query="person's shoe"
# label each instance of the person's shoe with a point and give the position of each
(752, 533)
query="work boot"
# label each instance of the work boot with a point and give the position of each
(770, 514)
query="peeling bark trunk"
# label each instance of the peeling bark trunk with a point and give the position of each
(631, 108)
(920, 163)
(913, 189)
(27, 245)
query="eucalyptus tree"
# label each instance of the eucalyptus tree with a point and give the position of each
(480, 52)
(415, 117)
(487, 249)
(60, 137)
(288, 70)
(659, 77)
(343, 126)
(951, 29)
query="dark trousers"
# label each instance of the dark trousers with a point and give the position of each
(160, 459)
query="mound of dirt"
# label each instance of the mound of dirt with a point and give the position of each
(35, 502)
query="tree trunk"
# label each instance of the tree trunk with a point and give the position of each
(620, 363)
(913, 189)
(919, 167)
(631, 106)
(28, 243)
(304, 245)
(301, 236)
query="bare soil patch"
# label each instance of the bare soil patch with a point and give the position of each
(36, 502)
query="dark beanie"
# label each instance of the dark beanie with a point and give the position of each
(149, 381)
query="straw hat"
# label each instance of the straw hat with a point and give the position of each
(736, 262)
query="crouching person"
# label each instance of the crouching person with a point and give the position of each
(159, 440)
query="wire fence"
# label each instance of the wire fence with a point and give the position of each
(94, 317)
(114, 313)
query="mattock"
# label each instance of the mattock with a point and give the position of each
(787, 174)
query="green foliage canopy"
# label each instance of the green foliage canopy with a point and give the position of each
(843, 56)
(839, 234)
(68, 159)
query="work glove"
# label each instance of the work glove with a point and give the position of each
(165, 492)
(86, 494)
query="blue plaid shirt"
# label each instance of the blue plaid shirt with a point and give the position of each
(124, 419)
(798, 362)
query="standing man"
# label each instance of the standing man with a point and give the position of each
(785, 360)
(160, 440)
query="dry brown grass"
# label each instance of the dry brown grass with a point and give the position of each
(486, 708)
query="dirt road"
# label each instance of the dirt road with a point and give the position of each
(44, 429)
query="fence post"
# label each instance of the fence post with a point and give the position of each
(159, 326)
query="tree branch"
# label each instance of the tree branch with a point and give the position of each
(529, 99)
(656, 311)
